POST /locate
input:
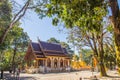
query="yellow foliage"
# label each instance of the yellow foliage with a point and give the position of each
(78, 64)
(95, 62)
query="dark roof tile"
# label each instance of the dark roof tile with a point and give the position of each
(50, 46)
(38, 53)
(50, 49)
(35, 46)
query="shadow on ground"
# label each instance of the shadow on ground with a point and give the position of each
(8, 76)
(113, 76)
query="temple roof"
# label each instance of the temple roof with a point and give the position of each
(43, 49)
(50, 46)
(35, 46)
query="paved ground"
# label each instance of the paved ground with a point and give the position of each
(85, 75)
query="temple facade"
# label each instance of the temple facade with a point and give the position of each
(47, 57)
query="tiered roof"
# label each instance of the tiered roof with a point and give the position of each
(43, 49)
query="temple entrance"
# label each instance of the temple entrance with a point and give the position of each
(41, 63)
(61, 63)
(48, 62)
(66, 63)
(55, 63)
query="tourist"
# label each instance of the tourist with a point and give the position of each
(17, 74)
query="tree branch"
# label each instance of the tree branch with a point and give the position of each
(16, 18)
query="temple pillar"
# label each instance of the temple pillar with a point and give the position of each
(52, 63)
(68, 62)
(58, 63)
(63, 62)
(36, 63)
(45, 62)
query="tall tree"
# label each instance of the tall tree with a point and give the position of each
(16, 43)
(95, 41)
(115, 19)
(19, 44)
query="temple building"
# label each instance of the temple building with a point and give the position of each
(48, 57)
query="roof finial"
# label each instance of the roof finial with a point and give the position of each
(38, 38)
(29, 40)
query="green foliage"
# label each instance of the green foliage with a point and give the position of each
(109, 56)
(53, 40)
(83, 13)
(18, 39)
(5, 15)
(5, 19)
(5, 64)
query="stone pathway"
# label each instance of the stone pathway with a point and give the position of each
(85, 75)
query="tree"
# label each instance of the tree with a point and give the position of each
(19, 44)
(15, 42)
(53, 40)
(95, 41)
(6, 48)
(116, 27)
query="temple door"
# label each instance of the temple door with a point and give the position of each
(55, 63)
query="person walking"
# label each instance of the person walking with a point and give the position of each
(17, 74)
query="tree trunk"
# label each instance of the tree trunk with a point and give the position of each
(102, 69)
(115, 19)
(101, 55)
(117, 46)
(13, 60)
(1, 74)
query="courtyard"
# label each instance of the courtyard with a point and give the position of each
(85, 75)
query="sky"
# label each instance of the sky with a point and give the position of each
(42, 28)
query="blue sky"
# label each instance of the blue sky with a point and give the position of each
(41, 28)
